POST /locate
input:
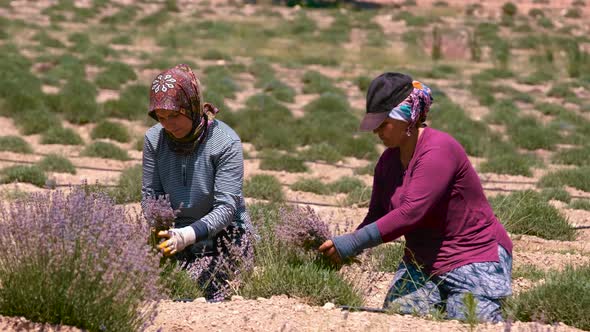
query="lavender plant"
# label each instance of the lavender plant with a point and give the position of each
(222, 275)
(76, 259)
(284, 266)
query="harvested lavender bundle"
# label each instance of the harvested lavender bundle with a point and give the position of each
(301, 228)
(159, 214)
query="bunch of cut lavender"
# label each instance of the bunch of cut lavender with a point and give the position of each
(76, 259)
(301, 228)
(159, 215)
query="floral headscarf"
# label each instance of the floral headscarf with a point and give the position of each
(179, 90)
(415, 107)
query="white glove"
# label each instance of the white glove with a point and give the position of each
(177, 240)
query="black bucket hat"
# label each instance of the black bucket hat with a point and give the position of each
(385, 92)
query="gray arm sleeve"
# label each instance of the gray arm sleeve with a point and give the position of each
(151, 186)
(229, 176)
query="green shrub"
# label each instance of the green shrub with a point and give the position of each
(369, 169)
(315, 82)
(81, 42)
(577, 178)
(363, 82)
(487, 31)
(105, 150)
(278, 162)
(111, 130)
(474, 136)
(179, 282)
(263, 111)
(213, 54)
(56, 163)
(550, 108)
(563, 298)
(346, 184)
(503, 158)
(264, 187)
(132, 103)
(509, 9)
(312, 185)
(360, 197)
(338, 32)
(501, 54)
(440, 71)
(15, 144)
(128, 188)
(156, 19)
(262, 71)
(360, 146)
(502, 112)
(322, 151)
(528, 133)
(545, 22)
(35, 121)
(413, 20)
(28, 174)
(305, 280)
(526, 212)
(507, 162)
(579, 3)
(122, 40)
(78, 101)
(537, 77)
(580, 204)
(67, 67)
(561, 90)
(558, 194)
(138, 145)
(483, 92)
(536, 12)
(573, 13)
(21, 90)
(60, 135)
(575, 156)
(279, 90)
(319, 127)
(45, 40)
(528, 271)
(115, 74)
(125, 15)
(219, 80)
(331, 103)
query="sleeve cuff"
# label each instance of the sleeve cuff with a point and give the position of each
(354, 243)
(201, 230)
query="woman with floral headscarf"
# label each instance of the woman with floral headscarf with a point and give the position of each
(426, 190)
(197, 161)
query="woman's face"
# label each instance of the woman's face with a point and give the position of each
(176, 123)
(392, 132)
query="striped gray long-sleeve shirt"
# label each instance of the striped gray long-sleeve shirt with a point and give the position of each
(207, 183)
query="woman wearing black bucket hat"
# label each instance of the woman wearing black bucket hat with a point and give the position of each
(426, 190)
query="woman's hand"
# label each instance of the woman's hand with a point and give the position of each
(176, 240)
(329, 250)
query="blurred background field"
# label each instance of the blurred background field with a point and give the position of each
(511, 82)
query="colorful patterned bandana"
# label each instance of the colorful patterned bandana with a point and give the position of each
(414, 107)
(179, 90)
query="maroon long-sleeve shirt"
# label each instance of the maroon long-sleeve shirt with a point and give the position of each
(438, 204)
